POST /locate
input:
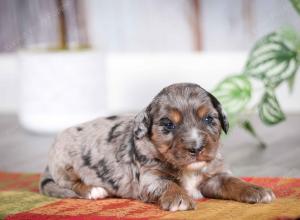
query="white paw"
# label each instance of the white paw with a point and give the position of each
(179, 207)
(255, 194)
(176, 202)
(97, 193)
(195, 194)
(267, 198)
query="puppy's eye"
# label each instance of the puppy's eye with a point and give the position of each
(167, 123)
(170, 126)
(208, 120)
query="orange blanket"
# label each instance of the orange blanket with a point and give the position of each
(19, 199)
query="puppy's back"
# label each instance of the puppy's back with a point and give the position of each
(95, 139)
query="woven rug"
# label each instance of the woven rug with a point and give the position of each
(19, 199)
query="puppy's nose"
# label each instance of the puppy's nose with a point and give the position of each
(198, 148)
(195, 149)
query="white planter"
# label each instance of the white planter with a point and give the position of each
(60, 89)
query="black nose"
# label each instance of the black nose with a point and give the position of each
(196, 149)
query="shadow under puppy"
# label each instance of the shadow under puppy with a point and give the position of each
(167, 154)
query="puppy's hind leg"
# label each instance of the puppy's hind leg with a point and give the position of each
(49, 187)
(89, 192)
(83, 190)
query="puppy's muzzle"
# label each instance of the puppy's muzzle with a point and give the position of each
(195, 147)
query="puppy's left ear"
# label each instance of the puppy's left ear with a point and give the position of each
(142, 123)
(222, 116)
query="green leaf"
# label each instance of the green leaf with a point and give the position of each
(248, 127)
(291, 82)
(290, 36)
(269, 109)
(234, 93)
(272, 60)
(296, 5)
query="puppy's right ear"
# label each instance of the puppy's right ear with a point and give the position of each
(222, 116)
(142, 123)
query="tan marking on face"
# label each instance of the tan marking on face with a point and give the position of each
(175, 116)
(155, 137)
(162, 147)
(202, 111)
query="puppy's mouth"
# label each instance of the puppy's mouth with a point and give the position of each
(201, 162)
(200, 154)
(199, 165)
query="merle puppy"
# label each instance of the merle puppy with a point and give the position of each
(167, 154)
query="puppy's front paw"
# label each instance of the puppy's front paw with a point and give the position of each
(257, 194)
(176, 202)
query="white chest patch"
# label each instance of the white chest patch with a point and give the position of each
(190, 181)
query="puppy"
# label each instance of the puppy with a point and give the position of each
(167, 154)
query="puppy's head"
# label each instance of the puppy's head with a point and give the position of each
(184, 122)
